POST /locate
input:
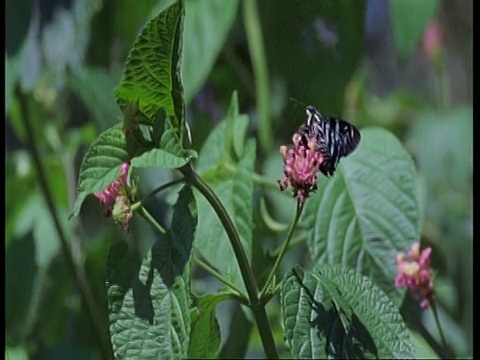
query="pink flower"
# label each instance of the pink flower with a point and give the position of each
(415, 273)
(113, 198)
(300, 166)
(432, 39)
(109, 194)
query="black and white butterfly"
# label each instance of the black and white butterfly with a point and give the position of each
(336, 138)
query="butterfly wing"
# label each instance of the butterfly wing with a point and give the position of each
(349, 138)
(336, 138)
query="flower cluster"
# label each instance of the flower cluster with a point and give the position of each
(300, 166)
(114, 200)
(432, 40)
(414, 271)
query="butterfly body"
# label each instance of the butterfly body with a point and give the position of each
(336, 138)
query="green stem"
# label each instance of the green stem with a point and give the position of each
(443, 86)
(257, 178)
(245, 269)
(147, 216)
(283, 250)
(221, 278)
(77, 270)
(296, 241)
(437, 321)
(259, 63)
(161, 188)
(241, 70)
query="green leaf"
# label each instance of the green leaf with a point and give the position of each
(422, 348)
(36, 217)
(101, 164)
(95, 88)
(236, 193)
(409, 19)
(332, 312)
(151, 77)
(12, 75)
(443, 141)
(225, 143)
(171, 155)
(149, 313)
(160, 158)
(207, 24)
(205, 335)
(16, 353)
(367, 212)
(239, 332)
(21, 290)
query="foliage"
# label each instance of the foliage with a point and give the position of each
(210, 241)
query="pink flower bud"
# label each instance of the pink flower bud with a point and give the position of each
(432, 39)
(300, 166)
(414, 271)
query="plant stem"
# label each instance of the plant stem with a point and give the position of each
(245, 268)
(77, 270)
(294, 242)
(161, 188)
(437, 321)
(220, 277)
(147, 216)
(257, 178)
(283, 250)
(259, 63)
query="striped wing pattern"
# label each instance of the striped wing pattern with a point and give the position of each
(336, 138)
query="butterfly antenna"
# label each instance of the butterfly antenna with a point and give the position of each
(297, 102)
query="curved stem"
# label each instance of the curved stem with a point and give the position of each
(221, 278)
(257, 53)
(245, 269)
(147, 216)
(161, 188)
(77, 270)
(294, 242)
(283, 250)
(257, 178)
(437, 321)
(442, 83)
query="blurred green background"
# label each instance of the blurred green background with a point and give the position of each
(404, 65)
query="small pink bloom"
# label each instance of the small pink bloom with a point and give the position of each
(432, 39)
(300, 166)
(109, 195)
(414, 271)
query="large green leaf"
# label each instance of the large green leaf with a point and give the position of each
(234, 187)
(409, 19)
(101, 165)
(422, 349)
(171, 155)
(149, 312)
(225, 143)
(367, 212)
(239, 332)
(443, 146)
(236, 193)
(205, 336)
(151, 76)
(95, 88)
(332, 312)
(207, 24)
